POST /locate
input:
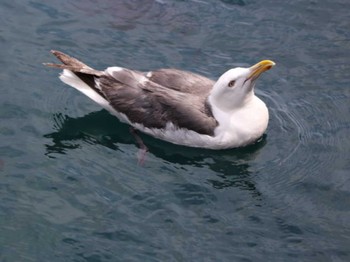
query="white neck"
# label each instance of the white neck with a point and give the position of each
(241, 125)
(228, 103)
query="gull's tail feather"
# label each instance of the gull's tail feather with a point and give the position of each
(72, 64)
(80, 76)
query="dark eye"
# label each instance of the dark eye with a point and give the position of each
(232, 83)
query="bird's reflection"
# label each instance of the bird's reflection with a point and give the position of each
(231, 166)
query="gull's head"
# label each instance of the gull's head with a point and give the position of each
(235, 87)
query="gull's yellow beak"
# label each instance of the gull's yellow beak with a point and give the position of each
(259, 68)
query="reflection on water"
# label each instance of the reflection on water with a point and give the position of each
(231, 166)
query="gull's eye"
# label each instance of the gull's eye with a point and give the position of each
(232, 83)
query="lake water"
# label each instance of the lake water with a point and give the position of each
(70, 185)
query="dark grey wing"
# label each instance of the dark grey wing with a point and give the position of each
(167, 95)
(152, 105)
(182, 81)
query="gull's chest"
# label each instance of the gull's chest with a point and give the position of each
(242, 127)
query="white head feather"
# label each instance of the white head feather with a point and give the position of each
(235, 88)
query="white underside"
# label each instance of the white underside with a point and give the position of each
(240, 128)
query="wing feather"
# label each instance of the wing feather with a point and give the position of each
(153, 105)
(181, 81)
(153, 99)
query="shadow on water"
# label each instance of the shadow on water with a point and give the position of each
(231, 166)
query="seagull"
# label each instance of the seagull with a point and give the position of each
(177, 106)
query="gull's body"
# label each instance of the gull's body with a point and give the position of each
(177, 106)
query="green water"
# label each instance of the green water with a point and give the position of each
(70, 185)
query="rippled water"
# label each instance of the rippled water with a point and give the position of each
(70, 185)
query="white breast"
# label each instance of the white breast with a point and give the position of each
(242, 126)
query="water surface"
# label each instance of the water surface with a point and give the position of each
(70, 185)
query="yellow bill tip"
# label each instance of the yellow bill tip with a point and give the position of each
(265, 63)
(259, 68)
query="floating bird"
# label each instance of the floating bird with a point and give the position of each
(177, 106)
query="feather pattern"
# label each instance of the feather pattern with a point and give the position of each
(177, 106)
(157, 99)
